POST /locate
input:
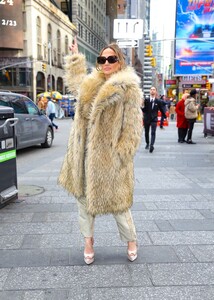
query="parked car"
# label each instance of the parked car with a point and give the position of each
(33, 126)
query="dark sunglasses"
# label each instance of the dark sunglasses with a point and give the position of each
(101, 60)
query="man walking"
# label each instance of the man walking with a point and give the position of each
(150, 117)
(51, 111)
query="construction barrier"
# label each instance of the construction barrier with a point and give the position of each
(166, 121)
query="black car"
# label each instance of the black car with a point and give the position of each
(33, 126)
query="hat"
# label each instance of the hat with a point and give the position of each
(193, 92)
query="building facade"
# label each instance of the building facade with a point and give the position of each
(44, 30)
(37, 65)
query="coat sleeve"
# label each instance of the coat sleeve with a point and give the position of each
(192, 107)
(75, 71)
(130, 137)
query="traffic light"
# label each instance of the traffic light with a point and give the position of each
(44, 67)
(148, 50)
(208, 85)
(153, 62)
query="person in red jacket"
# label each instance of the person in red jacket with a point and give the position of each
(182, 123)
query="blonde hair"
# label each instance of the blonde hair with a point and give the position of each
(185, 95)
(118, 52)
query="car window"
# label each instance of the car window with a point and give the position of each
(4, 103)
(18, 106)
(31, 107)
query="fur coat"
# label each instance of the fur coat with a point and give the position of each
(104, 137)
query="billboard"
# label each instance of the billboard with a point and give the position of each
(194, 37)
(11, 26)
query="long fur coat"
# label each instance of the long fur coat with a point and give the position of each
(104, 137)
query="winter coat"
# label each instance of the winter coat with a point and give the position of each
(181, 120)
(104, 137)
(190, 108)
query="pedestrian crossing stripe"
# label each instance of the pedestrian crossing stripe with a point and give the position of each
(7, 155)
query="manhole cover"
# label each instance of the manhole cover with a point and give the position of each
(30, 190)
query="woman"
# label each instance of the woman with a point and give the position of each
(98, 166)
(191, 113)
(182, 123)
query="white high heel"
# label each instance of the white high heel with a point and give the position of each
(89, 257)
(132, 255)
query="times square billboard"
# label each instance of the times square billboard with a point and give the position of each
(11, 24)
(194, 37)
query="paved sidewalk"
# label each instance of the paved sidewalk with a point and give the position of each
(41, 249)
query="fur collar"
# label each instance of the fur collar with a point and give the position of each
(96, 93)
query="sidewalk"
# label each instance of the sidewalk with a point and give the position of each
(41, 248)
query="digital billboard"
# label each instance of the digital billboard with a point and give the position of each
(11, 24)
(194, 37)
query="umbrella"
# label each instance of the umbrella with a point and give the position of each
(44, 94)
(56, 95)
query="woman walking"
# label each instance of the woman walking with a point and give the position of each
(98, 165)
(182, 123)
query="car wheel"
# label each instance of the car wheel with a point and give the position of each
(48, 139)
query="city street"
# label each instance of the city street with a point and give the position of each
(41, 248)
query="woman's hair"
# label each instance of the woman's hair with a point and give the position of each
(118, 52)
(184, 96)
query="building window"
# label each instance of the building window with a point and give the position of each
(66, 45)
(49, 40)
(39, 38)
(59, 48)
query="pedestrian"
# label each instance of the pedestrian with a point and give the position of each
(191, 113)
(164, 104)
(42, 104)
(182, 123)
(51, 111)
(98, 165)
(150, 117)
(172, 111)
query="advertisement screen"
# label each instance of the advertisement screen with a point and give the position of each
(194, 37)
(11, 28)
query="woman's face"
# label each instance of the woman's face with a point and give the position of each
(109, 68)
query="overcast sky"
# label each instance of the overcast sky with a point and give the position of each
(163, 23)
(163, 18)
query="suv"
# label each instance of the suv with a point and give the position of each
(33, 127)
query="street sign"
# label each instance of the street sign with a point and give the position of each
(128, 29)
(128, 43)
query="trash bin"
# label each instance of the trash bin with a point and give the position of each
(8, 173)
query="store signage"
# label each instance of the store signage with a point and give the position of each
(128, 29)
(11, 24)
(170, 82)
(192, 78)
(128, 43)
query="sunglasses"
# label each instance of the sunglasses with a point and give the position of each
(101, 60)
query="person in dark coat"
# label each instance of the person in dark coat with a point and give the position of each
(182, 123)
(164, 104)
(150, 117)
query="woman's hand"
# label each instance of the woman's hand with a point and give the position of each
(74, 47)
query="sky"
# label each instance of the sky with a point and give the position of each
(163, 17)
(162, 20)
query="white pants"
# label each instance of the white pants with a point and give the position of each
(124, 221)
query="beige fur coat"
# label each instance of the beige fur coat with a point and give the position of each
(104, 137)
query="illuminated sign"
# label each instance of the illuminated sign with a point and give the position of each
(194, 37)
(11, 26)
